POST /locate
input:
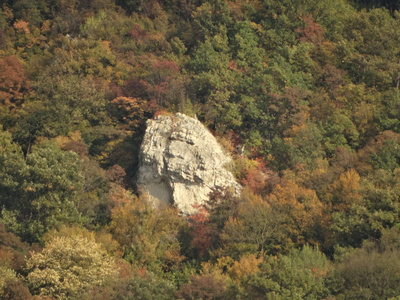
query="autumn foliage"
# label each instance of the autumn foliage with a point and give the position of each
(303, 95)
(13, 82)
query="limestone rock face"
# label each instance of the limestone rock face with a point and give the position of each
(181, 163)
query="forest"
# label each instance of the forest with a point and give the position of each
(308, 90)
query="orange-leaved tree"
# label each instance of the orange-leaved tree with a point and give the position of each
(300, 210)
(13, 82)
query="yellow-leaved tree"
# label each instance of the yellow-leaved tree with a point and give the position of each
(148, 236)
(286, 217)
(69, 268)
(345, 191)
(6, 275)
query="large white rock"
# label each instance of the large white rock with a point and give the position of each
(181, 163)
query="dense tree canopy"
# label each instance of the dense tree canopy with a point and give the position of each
(304, 95)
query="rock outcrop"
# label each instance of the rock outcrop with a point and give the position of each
(181, 163)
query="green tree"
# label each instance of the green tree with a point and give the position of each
(306, 268)
(211, 16)
(42, 192)
(211, 83)
(63, 104)
(147, 287)
(339, 130)
(372, 271)
(300, 274)
(369, 49)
